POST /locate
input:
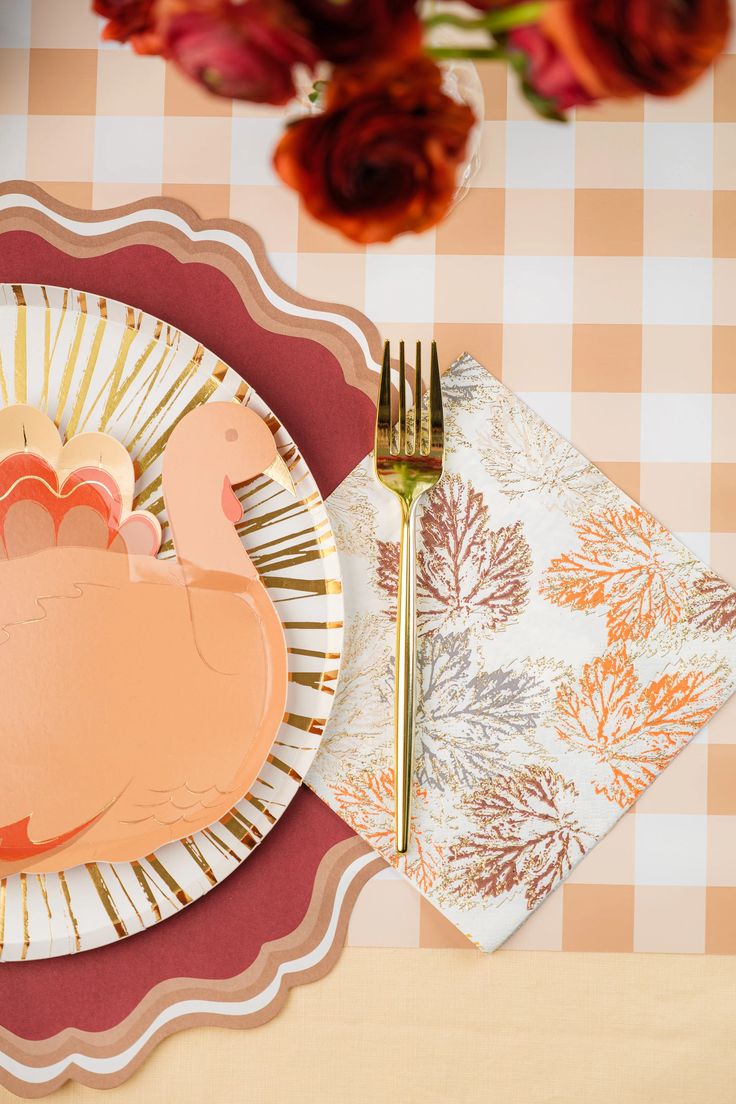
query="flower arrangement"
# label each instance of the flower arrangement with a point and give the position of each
(382, 154)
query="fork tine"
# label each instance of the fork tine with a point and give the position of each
(383, 413)
(418, 400)
(436, 415)
(402, 398)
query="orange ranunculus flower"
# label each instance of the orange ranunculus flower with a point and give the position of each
(350, 31)
(130, 21)
(383, 157)
(627, 47)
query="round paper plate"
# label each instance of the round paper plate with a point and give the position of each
(95, 364)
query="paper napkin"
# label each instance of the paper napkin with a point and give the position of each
(570, 646)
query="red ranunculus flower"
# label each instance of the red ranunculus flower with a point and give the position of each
(130, 21)
(347, 31)
(548, 72)
(383, 157)
(243, 50)
(627, 47)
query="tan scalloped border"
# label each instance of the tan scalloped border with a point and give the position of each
(341, 343)
(253, 981)
(320, 914)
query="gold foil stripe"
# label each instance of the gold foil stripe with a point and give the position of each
(298, 559)
(286, 512)
(315, 680)
(279, 764)
(68, 373)
(299, 547)
(307, 586)
(3, 898)
(3, 384)
(315, 725)
(309, 625)
(239, 827)
(194, 852)
(116, 385)
(86, 380)
(313, 653)
(260, 806)
(206, 390)
(145, 885)
(286, 538)
(21, 351)
(41, 879)
(49, 348)
(24, 910)
(68, 902)
(169, 880)
(105, 896)
(155, 507)
(180, 381)
(225, 851)
(129, 899)
(150, 382)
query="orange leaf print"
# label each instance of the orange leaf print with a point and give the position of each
(633, 732)
(466, 569)
(366, 802)
(624, 565)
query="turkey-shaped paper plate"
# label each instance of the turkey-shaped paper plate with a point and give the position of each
(170, 620)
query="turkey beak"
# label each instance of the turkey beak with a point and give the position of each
(278, 471)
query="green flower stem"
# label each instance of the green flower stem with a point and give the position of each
(497, 22)
(475, 53)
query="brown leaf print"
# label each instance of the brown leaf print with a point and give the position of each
(466, 570)
(527, 836)
(632, 731)
(713, 605)
(366, 801)
(625, 566)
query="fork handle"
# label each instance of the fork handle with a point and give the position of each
(405, 678)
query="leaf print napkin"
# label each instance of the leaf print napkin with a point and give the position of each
(570, 646)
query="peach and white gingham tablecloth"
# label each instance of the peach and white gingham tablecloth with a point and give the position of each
(592, 267)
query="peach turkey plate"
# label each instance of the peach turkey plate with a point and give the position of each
(171, 620)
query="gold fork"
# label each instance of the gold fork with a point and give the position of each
(408, 463)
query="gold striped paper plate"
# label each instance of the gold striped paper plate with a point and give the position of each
(95, 364)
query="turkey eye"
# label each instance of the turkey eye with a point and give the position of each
(231, 434)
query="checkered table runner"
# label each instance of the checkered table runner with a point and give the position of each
(592, 266)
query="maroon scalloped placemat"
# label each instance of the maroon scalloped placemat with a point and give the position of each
(300, 379)
(217, 937)
(280, 900)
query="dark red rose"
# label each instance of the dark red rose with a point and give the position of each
(628, 47)
(383, 157)
(130, 21)
(548, 73)
(243, 50)
(347, 31)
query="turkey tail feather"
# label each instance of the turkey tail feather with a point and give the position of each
(16, 844)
